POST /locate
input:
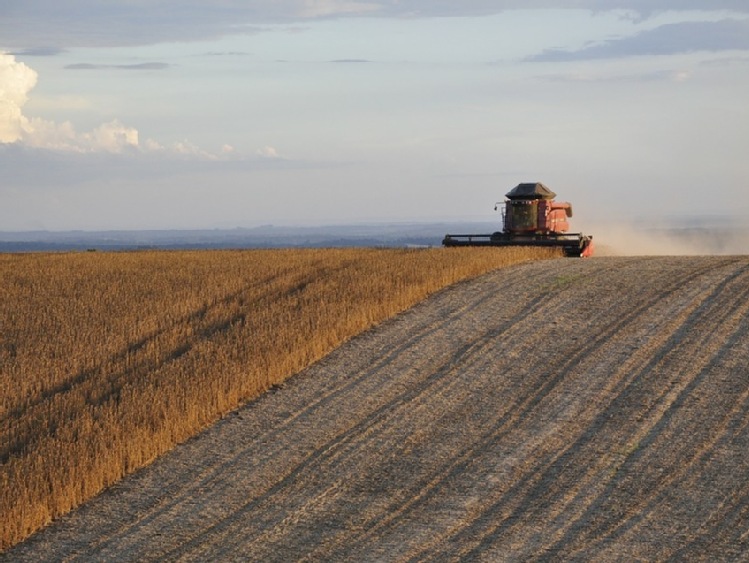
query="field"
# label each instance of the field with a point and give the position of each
(590, 410)
(107, 360)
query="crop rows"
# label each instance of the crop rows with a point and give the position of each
(109, 360)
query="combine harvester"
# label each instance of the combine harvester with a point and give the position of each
(531, 217)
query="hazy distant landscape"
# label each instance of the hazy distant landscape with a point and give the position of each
(726, 237)
(268, 236)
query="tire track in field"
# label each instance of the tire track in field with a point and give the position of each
(494, 421)
(703, 439)
(212, 474)
(330, 452)
(677, 280)
(328, 449)
(546, 478)
(492, 437)
(163, 504)
(728, 524)
(440, 380)
(526, 404)
(710, 316)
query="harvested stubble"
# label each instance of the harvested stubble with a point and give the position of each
(109, 360)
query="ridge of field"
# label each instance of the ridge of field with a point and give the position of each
(587, 410)
(109, 360)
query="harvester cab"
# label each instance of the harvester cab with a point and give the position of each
(531, 217)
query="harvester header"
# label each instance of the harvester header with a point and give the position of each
(531, 217)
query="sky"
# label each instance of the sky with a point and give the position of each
(187, 114)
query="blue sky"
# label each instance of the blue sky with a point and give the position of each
(136, 114)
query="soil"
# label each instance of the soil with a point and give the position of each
(565, 410)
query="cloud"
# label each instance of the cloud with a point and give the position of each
(38, 52)
(599, 76)
(723, 61)
(138, 66)
(327, 8)
(268, 152)
(16, 81)
(669, 39)
(33, 24)
(113, 137)
(227, 54)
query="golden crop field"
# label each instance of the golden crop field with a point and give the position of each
(108, 360)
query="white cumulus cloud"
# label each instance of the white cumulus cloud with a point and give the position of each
(16, 82)
(268, 152)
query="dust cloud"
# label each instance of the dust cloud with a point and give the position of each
(631, 240)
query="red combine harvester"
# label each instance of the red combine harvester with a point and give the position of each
(531, 217)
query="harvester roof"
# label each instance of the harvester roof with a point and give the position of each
(530, 191)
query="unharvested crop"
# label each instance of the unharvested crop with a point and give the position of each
(109, 360)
